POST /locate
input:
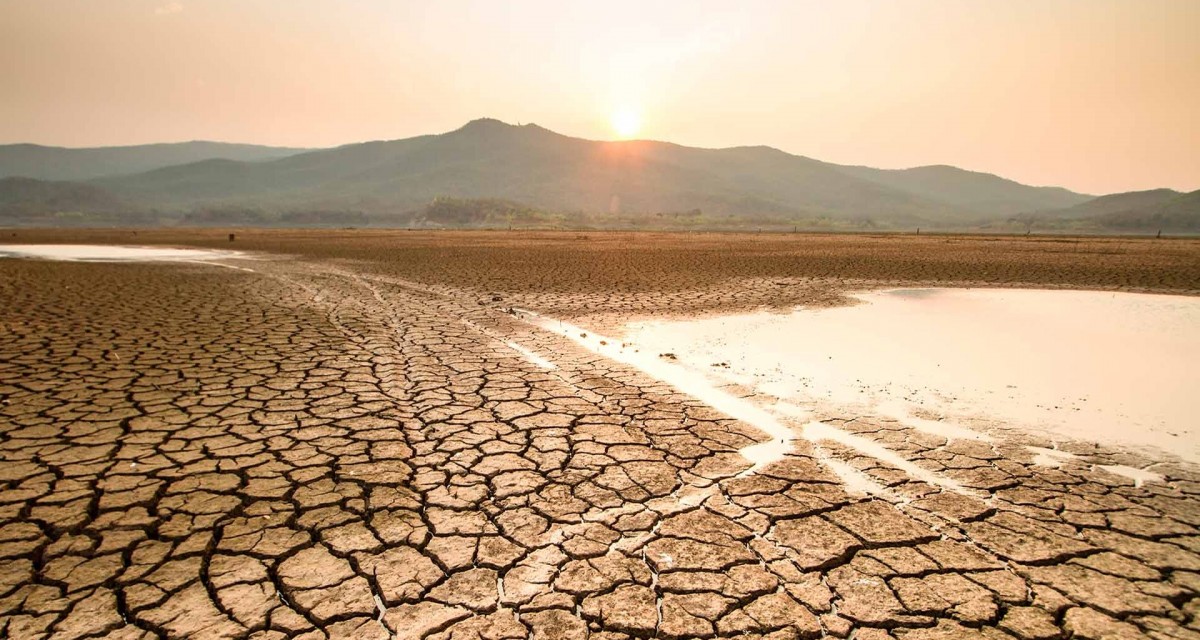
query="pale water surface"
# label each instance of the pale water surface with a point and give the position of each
(1116, 368)
(113, 253)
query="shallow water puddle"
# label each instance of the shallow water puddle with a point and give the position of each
(818, 431)
(530, 355)
(659, 366)
(700, 385)
(898, 411)
(855, 481)
(1139, 476)
(1050, 457)
(112, 253)
(1116, 368)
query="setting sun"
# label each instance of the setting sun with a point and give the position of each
(626, 123)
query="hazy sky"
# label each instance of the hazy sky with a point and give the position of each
(1095, 95)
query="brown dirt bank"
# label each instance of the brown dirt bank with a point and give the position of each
(573, 273)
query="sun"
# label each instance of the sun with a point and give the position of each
(626, 123)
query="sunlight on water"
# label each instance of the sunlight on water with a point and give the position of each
(1116, 368)
(109, 253)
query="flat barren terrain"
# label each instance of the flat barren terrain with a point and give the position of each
(360, 434)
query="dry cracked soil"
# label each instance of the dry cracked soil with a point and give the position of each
(339, 443)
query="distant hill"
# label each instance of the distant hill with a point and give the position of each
(1118, 203)
(1143, 211)
(29, 201)
(534, 166)
(62, 195)
(60, 163)
(489, 173)
(985, 194)
(548, 171)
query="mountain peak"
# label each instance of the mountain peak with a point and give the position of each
(485, 124)
(495, 131)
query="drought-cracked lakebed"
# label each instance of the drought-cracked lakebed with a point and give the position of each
(320, 448)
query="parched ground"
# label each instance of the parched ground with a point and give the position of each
(341, 444)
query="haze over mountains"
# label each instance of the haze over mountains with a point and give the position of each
(59, 163)
(489, 173)
(1138, 210)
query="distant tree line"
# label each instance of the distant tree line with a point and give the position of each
(252, 216)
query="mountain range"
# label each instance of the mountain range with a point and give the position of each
(60, 163)
(489, 173)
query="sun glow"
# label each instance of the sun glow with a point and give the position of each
(626, 123)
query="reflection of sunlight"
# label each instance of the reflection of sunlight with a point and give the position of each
(626, 122)
(915, 359)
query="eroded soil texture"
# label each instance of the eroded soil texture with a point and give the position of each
(347, 444)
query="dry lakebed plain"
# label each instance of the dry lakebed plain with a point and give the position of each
(507, 435)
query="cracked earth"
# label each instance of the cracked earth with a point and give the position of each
(316, 449)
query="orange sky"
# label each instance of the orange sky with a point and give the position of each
(1098, 96)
